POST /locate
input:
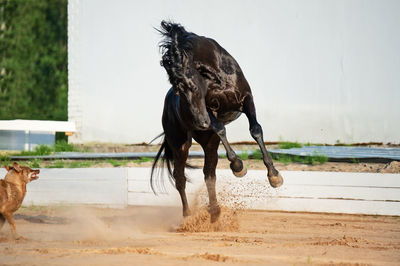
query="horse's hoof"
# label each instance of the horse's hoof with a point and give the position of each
(186, 213)
(275, 181)
(214, 212)
(241, 173)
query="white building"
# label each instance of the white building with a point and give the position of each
(320, 71)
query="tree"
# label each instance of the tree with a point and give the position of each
(33, 59)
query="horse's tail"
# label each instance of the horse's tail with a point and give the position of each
(175, 47)
(165, 154)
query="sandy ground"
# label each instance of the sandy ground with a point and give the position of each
(83, 235)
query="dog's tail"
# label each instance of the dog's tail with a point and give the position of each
(175, 47)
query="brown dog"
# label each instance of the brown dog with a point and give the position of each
(12, 192)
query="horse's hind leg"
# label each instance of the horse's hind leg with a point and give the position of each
(274, 177)
(179, 174)
(236, 164)
(210, 142)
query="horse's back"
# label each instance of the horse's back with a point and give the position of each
(208, 52)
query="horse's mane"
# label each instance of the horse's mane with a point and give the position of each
(175, 46)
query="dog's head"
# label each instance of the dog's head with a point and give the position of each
(22, 173)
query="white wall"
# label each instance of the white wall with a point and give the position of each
(320, 71)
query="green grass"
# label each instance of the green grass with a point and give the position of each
(63, 146)
(284, 158)
(56, 164)
(117, 163)
(289, 145)
(59, 146)
(287, 158)
(35, 163)
(244, 155)
(257, 155)
(319, 158)
(81, 164)
(142, 160)
(309, 159)
(38, 163)
(5, 160)
(38, 150)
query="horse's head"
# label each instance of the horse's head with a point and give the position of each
(194, 99)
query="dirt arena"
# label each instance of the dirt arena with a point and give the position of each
(83, 235)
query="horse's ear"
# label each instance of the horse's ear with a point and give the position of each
(17, 167)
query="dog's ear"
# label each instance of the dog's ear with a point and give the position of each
(17, 167)
(8, 168)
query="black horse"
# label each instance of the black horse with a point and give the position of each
(208, 91)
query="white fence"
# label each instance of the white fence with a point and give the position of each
(336, 192)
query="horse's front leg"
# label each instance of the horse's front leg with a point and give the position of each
(236, 164)
(274, 177)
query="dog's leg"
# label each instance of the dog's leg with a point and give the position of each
(274, 177)
(2, 220)
(236, 164)
(10, 219)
